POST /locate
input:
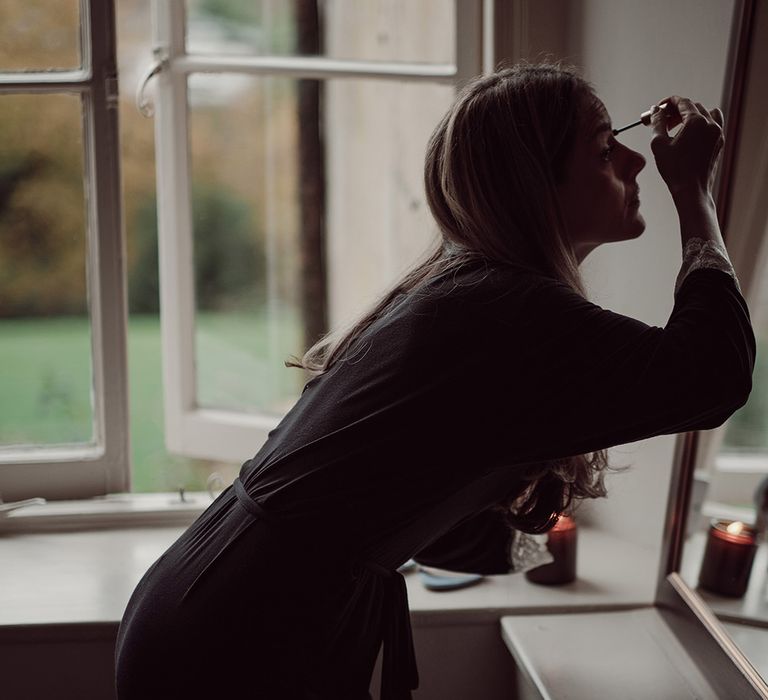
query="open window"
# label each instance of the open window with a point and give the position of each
(310, 223)
(732, 461)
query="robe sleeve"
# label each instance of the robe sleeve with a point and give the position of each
(478, 545)
(591, 378)
(582, 378)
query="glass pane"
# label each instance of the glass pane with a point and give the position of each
(734, 487)
(244, 157)
(153, 467)
(747, 429)
(741, 466)
(45, 351)
(373, 30)
(39, 35)
(247, 160)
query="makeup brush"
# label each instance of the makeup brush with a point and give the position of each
(645, 118)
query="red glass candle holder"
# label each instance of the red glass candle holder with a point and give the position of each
(728, 558)
(561, 543)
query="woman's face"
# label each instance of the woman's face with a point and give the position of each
(599, 196)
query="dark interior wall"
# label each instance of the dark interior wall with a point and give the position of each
(67, 662)
(76, 662)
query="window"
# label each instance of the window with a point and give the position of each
(228, 98)
(734, 459)
(739, 466)
(62, 316)
(254, 263)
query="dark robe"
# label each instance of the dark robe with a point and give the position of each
(286, 586)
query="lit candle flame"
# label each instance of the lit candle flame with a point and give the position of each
(735, 528)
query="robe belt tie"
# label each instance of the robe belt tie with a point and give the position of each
(399, 673)
(254, 508)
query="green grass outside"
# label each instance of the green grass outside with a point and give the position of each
(45, 369)
(45, 376)
(45, 373)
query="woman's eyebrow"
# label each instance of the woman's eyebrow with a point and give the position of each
(599, 129)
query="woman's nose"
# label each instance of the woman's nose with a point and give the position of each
(636, 162)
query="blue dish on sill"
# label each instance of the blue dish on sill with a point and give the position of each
(448, 583)
(410, 565)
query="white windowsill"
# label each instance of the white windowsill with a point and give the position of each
(86, 577)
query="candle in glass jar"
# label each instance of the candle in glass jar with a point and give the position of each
(728, 558)
(561, 543)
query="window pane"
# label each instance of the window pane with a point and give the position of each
(373, 30)
(747, 429)
(153, 467)
(246, 161)
(244, 158)
(39, 35)
(742, 462)
(45, 352)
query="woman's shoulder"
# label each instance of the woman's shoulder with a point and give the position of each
(480, 279)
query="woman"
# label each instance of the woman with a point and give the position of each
(483, 378)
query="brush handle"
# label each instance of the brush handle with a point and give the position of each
(645, 117)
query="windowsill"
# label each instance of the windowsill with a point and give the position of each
(87, 577)
(631, 653)
(134, 510)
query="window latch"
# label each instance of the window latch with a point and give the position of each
(143, 104)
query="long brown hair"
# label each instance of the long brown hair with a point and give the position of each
(490, 174)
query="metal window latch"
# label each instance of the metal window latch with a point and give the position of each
(143, 104)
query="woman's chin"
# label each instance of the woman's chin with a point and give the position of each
(636, 228)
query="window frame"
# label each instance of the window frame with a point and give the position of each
(743, 209)
(219, 434)
(102, 466)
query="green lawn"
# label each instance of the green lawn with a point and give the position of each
(45, 370)
(45, 376)
(45, 373)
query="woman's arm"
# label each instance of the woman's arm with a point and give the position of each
(478, 545)
(593, 378)
(575, 377)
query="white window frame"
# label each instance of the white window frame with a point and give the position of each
(101, 466)
(189, 429)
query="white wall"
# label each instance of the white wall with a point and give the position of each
(636, 53)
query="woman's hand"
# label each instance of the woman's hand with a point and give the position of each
(688, 160)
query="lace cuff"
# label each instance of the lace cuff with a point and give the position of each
(528, 551)
(699, 253)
